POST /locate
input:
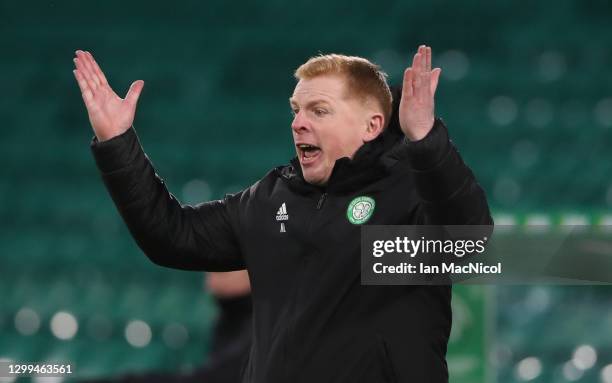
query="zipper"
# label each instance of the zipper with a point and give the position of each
(289, 344)
(321, 201)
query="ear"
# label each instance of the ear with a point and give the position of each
(374, 126)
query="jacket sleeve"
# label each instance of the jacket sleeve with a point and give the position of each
(448, 190)
(201, 237)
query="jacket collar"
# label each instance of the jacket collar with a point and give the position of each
(372, 161)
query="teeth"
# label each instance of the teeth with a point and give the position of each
(306, 146)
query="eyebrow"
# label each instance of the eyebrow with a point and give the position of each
(310, 103)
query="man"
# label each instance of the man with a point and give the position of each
(360, 159)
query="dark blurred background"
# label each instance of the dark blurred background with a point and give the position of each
(526, 92)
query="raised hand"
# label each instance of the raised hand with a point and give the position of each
(416, 113)
(109, 114)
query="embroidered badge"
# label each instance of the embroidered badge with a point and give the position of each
(360, 210)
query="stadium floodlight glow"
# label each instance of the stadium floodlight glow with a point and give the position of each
(138, 333)
(584, 357)
(27, 321)
(529, 368)
(64, 325)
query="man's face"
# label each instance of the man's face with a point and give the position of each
(328, 125)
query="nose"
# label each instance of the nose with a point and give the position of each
(299, 123)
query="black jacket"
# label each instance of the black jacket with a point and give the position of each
(313, 321)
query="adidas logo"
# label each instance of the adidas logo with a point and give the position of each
(281, 214)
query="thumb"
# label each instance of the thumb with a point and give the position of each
(435, 76)
(134, 92)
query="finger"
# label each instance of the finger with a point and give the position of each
(80, 65)
(80, 81)
(416, 63)
(90, 68)
(407, 85)
(416, 83)
(424, 58)
(97, 70)
(428, 59)
(134, 92)
(85, 91)
(435, 77)
(422, 87)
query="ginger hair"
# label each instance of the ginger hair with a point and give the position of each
(365, 79)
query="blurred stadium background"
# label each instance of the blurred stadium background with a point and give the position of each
(526, 92)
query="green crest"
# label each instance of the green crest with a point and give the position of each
(360, 210)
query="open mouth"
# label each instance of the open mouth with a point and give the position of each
(308, 153)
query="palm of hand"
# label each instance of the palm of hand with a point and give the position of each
(109, 114)
(416, 110)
